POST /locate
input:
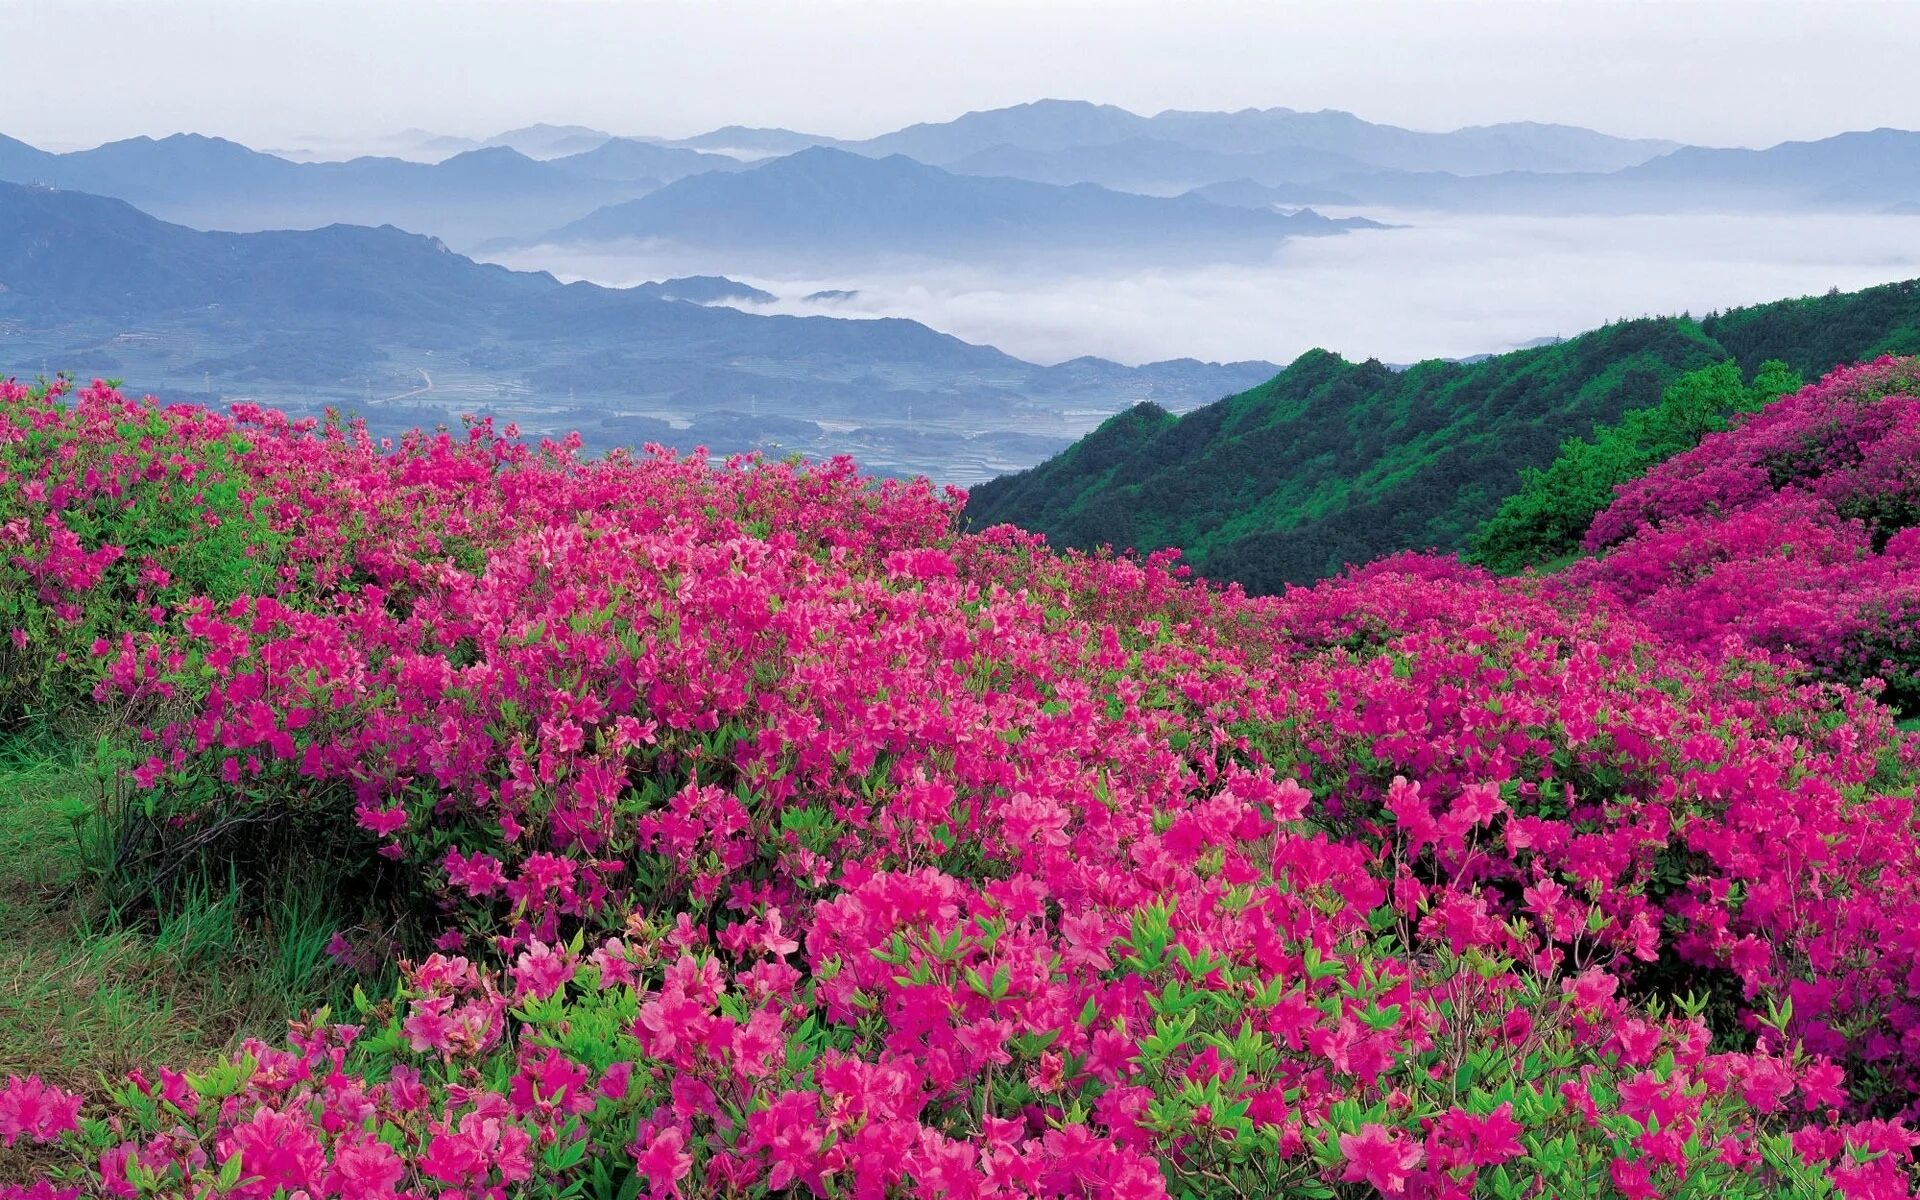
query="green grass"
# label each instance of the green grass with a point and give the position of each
(90, 989)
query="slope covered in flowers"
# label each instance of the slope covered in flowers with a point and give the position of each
(749, 831)
(1795, 530)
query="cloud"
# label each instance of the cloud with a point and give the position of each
(1443, 286)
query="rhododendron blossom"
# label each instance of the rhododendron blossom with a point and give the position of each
(764, 832)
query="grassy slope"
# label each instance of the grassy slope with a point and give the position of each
(1333, 462)
(87, 990)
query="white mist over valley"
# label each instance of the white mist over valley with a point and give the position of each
(1435, 285)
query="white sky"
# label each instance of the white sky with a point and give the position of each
(271, 72)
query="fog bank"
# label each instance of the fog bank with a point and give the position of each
(1441, 285)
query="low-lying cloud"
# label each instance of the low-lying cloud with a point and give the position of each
(1440, 285)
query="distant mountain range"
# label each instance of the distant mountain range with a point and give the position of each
(1155, 167)
(1051, 126)
(478, 194)
(355, 305)
(1073, 141)
(1248, 193)
(1872, 171)
(534, 141)
(404, 330)
(829, 206)
(1066, 124)
(952, 188)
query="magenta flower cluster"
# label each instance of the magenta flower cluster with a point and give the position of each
(782, 839)
(1797, 530)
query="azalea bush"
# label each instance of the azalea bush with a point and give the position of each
(111, 513)
(1795, 531)
(746, 830)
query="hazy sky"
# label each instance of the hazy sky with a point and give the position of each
(275, 71)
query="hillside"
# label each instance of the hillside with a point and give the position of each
(1333, 462)
(677, 829)
(1796, 530)
(1546, 518)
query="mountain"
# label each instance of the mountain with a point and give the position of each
(1334, 462)
(534, 141)
(1152, 166)
(1877, 167)
(19, 161)
(1475, 150)
(704, 289)
(549, 141)
(213, 183)
(1039, 125)
(741, 141)
(1247, 193)
(826, 205)
(1059, 125)
(344, 314)
(633, 160)
(1870, 171)
(69, 255)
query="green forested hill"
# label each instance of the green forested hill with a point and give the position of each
(1333, 462)
(1547, 517)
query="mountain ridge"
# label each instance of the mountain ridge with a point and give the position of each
(317, 316)
(833, 203)
(1334, 462)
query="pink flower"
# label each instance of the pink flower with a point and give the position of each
(276, 1150)
(1489, 1140)
(1380, 1156)
(365, 1168)
(662, 1160)
(383, 822)
(35, 1110)
(540, 971)
(479, 874)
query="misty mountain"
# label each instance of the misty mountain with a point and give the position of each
(1878, 167)
(70, 255)
(826, 205)
(1057, 125)
(635, 160)
(744, 142)
(1475, 150)
(395, 325)
(549, 141)
(705, 289)
(212, 183)
(1039, 125)
(1152, 166)
(535, 141)
(1246, 193)
(1871, 171)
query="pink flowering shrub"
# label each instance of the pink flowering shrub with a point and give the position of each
(1794, 530)
(114, 512)
(773, 838)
